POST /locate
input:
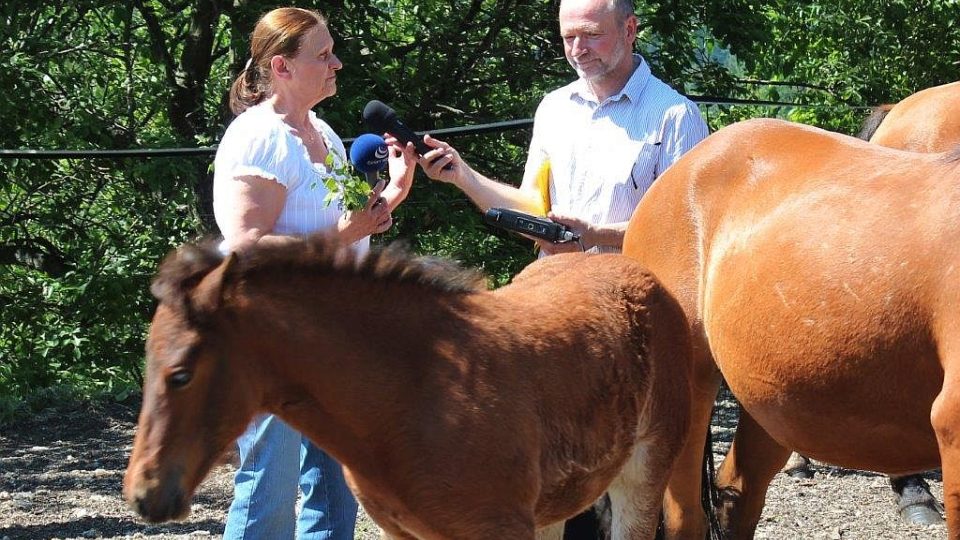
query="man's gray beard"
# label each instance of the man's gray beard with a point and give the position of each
(614, 61)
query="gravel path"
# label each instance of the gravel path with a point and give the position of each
(60, 476)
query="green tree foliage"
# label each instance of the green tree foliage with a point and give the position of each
(80, 239)
(843, 54)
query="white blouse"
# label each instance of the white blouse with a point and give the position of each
(259, 143)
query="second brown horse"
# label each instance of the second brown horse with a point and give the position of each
(928, 121)
(821, 275)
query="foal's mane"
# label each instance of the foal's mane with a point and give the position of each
(317, 255)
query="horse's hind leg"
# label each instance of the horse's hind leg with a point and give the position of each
(798, 466)
(945, 417)
(636, 495)
(917, 505)
(682, 511)
(752, 462)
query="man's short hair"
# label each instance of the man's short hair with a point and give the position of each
(623, 8)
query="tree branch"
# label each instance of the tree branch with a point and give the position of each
(158, 42)
(36, 254)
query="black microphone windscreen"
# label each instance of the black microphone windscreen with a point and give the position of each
(379, 117)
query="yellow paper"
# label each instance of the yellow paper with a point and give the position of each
(543, 185)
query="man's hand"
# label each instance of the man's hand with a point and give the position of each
(444, 163)
(579, 227)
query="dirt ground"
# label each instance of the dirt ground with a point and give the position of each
(60, 476)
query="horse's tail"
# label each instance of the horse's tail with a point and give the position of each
(709, 496)
(873, 121)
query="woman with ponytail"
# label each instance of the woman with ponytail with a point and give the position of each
(269, 184)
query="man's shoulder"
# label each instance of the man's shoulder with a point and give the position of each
(560, 95)
(661, 92)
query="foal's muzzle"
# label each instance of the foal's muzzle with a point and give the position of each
(156, 500)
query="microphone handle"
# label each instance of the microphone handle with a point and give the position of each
(373, 177)
(404, 134)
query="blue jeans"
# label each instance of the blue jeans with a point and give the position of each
(274, 459)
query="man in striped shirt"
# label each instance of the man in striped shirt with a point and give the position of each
(602, 139)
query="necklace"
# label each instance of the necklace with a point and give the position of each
(308, 134)
(306, 137)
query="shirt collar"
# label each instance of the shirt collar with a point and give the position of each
(632, 90)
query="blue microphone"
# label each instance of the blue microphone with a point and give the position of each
(368, 153)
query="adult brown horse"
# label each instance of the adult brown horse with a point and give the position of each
(820, 274)
(928, 121)
(457, 412)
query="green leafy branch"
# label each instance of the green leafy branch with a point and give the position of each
(349, 190)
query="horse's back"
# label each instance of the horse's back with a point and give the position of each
(770, 173)
(731, 173)
(813, 265)
(927, 121)
(613, 295)
(584, 288)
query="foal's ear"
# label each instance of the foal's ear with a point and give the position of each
(207, 296)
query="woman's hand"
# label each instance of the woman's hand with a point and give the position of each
(401, 166)
(374, 218)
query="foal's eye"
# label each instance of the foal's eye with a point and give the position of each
(179, 379)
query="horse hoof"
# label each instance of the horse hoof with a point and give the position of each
(798, 466)
(921, 514)
(800, 473)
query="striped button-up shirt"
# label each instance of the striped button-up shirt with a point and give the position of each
(604, 156)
